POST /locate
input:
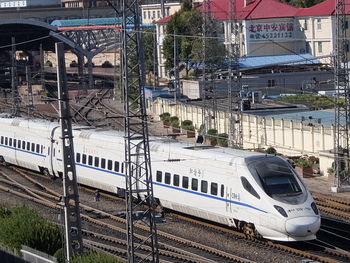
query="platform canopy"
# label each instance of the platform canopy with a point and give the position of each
(29, 34)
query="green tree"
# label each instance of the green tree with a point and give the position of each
(148, 41)
(186, 26)
(302, 3)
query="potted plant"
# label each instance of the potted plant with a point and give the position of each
(304, 167)
(165, 118)
(223, 139)
(330, 172)
(212, 136)
(174, 122)
(188, 127)
(271, 150)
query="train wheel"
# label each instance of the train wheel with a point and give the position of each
(249, 230)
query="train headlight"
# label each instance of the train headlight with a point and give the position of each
(314, 207)
(281, 210)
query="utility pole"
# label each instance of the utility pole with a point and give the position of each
(42, 67)
(342, 100)
(138, 179)
(14, 90)
(234, 83)
(162, 8)
(176, 68)
(72, 222)
(29, 90)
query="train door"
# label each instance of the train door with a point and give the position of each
(53, 152)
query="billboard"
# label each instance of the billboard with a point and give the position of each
(275, 31)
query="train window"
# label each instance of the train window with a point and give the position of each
(103, 163)
(185, 182)
(23, 145)
(122, 165)
(176, 180)
(222, 190)
(90, 160)
(77, 157)
(6, 141)
(167, 178)
(84, 159)
(28, 146)
(48, 151)
(214, 188)
(33, 147)
(247, 186)
(204, 186)
(42, 149)
(38, 148)
(14, 143)
(97, 162)
(19, 143)
(194, 184)
(116, 166)
(110, 165)
(2, 139)
(159, 176)
(10, 142)
(54, 152)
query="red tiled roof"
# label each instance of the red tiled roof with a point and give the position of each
(260, 9)
(164, 20)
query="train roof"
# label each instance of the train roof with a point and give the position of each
(175, 149)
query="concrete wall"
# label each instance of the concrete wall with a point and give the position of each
(287, 136)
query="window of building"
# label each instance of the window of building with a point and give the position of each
(176, 180)
(167, 178)
(116, 166)
(222, 190)
(271, 83)
(307, 47)
(149, 14)
(158, 14)
(97, 162)
(110, 165)
(185, 182)
(153, 14)
(122, 167)
(319, 24)
(6, 141)
(144, 14)
(103, 163)
(77, 158)
(204, 186)
(214, 188)
(319, 47)
(84, 158)
(194, 184)
(159, 176)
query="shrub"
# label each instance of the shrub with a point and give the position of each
(107, 64)
(94, 257)
(73, 64)
(330, 170)
(186, 123)
(212, 135)
(304, 163)
(164, 116)
(223, 139)
(24, 226)
(271, 150)
(87, 64)
(174, 121)
(48, 63)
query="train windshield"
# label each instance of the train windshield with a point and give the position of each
(276, 177)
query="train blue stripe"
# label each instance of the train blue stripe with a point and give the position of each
(20, 150)
(175, 188)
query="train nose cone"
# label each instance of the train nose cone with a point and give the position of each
(303, 226)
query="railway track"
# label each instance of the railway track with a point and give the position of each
(172, 248)
(333, 205)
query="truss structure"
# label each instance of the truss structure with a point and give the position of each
(342, 105)
(139, 187)
(234, 83)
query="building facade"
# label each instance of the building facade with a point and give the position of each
(269, 27)
(28, 3)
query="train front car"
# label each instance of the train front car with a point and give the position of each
(292, 214)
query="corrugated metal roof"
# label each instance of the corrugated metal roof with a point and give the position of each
(290, 59)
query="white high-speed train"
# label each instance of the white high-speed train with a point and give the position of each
(258, 193)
